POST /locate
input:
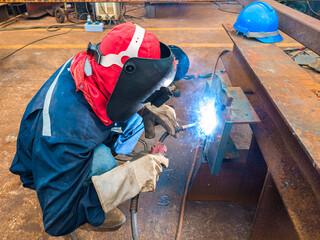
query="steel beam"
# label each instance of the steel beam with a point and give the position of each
(289, 135)
(272, 220)
(301, 27)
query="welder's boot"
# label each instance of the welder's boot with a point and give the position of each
(114, 219)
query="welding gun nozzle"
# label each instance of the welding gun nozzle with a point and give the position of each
(184, 127)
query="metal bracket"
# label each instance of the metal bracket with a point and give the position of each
(233, 108)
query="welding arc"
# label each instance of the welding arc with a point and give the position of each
(180, 224)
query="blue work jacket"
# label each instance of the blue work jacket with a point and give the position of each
(58, 133)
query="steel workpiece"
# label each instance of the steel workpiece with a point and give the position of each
(289, 133)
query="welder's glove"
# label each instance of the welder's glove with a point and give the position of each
(126, 181)
(164, 115)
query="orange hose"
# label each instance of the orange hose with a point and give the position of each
(180, 224)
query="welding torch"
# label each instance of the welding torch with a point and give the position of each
(157, 148)
(160, 148)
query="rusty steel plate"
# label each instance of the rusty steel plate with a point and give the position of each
(241, 111)
(290, 88)
(279, 87)
(233, 107)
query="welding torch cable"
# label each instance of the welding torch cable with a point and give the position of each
(313, 11)
(38, 40)
(220, 55)
(207, 75)
(56, 26)
(180, 224)
(224, 10)
(135, 200)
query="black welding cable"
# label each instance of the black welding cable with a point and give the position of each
(223, 10)
(38, 40)
(123, 10)
(134, 221)
(184, 199)
(105, 13)
(208, 75)
(56, 27)
(111, 19)
(313, 11)
(133, 153)
(87, 8)
(220, 55)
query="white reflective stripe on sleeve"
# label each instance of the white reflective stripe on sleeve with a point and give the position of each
(46, 128)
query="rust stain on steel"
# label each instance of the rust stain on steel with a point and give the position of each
(244, 112)
(296, 177)
(301, 27)
(301, 202)
(300, 198)
(317, 93)
(271, 210)
(284, 82)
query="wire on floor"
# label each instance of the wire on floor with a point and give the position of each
(183, 204)
(220, 55)
(38, 40)
(224, 10)
(124, 16)
(55, 27)
(110, 18)
(313, 11)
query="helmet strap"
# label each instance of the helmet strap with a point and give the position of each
(132, 50)
(261, 34)
(110, 59)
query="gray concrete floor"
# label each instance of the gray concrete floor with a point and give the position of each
(197, 29)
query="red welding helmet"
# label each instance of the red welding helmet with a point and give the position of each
(147, 69)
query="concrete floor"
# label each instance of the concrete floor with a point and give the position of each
(202, 38)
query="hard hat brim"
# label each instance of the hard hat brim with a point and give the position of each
(273, 39)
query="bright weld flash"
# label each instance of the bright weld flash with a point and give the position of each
(208, 117)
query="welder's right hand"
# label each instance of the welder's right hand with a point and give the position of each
(163, 115)
(126, 181)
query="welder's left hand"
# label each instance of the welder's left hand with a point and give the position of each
(164, 115)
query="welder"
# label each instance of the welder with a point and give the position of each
(95, 106)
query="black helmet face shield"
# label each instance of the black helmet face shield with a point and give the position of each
(141, 80)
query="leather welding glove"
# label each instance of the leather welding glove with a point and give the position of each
(126, 181)
(164, 115)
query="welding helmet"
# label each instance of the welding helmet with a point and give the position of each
(146, 70)
(259, 20)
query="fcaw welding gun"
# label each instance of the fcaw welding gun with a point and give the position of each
(157, 148)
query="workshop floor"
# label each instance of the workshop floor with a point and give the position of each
(202, 38)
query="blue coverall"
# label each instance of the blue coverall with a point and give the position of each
(58, 138)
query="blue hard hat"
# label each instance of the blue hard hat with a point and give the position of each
(259, 20)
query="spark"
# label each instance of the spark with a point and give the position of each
(208, 116)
